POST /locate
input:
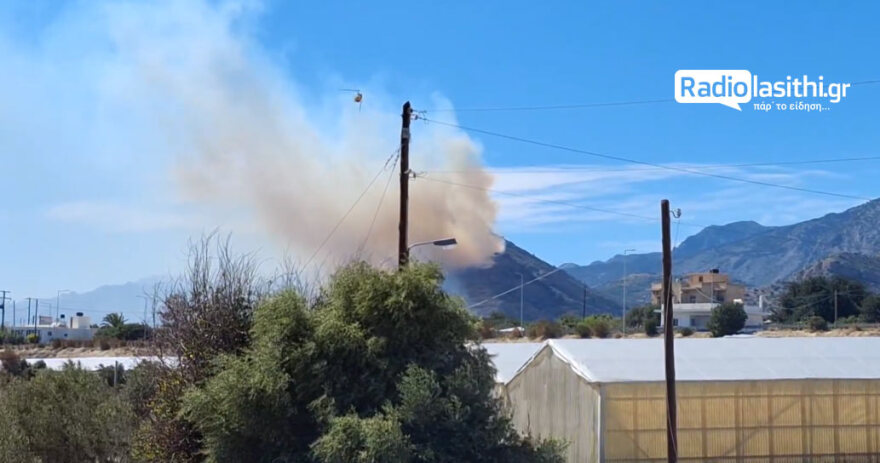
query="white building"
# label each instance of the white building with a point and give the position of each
(696, 315)
(739, 399)
(79, 329)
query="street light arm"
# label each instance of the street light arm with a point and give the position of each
(445, 242)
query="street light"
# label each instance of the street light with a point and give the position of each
(446, 243)
(625, 251)
(58, 301)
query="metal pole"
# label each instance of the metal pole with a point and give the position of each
(835, 306)
(668, 332)
(585, 302)
(521, 289)
(402, 248)
(3, 306)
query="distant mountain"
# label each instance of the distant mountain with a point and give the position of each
(125, 298)
(638, 289)
(852, 266)
(547, 298)
(756, 255)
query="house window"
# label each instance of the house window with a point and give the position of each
(693, 298)
(49, 334)
(674, 322)
(701, 279)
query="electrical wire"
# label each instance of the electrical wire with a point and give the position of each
(635, 161)
(516, 287)
(344, 216)
(548, 107)
(576, 168)
(379, 205)
(576, 105)
(553, 201)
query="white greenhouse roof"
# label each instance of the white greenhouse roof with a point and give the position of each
(91, 363)
(722, 359)
(508, 357)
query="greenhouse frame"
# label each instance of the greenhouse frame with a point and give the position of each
(739, 399)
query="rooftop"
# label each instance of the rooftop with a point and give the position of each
(721, 359)
(508, 357)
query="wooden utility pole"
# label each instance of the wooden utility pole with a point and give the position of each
(402, 245)
(668, 333)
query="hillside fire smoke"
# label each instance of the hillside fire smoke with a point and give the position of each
(247, 145)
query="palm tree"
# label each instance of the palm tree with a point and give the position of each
(115, 320)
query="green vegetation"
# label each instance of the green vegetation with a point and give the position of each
(727, 319)
(817, 323)
(686, 331)
(545, 329)
(816, 297)
(596, 326)
(114, 327)
(421, 395)
(70, 415)
(639, 317)
(378, 367)
(651, 326)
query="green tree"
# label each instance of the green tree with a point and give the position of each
(816, 297)
(381, 368)
(870, 309)
(207, 315)
(727, 319)
(638, 316)
(64, 416)
(113, 320)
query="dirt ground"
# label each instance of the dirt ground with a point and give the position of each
(76, 352)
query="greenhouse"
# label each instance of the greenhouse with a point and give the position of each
(740, 399)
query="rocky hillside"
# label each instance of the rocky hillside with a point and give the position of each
(548, 298)
(756, 255)
(852, 266)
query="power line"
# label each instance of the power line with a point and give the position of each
(552, 201)
(344, 216)
(646, 163)
(577, 168)
(576, 105)
(516, 287)
(379, 205)
(548, 107)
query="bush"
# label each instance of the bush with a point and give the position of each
(686, 331)
(583, 329)
(289, 395)
(569, 322)
(600, 326)
(817, 323)
(56, 344)
(33, 338)
(544, 329)
(727, 319)
(486, 330)
(64, 416)
(651, 327)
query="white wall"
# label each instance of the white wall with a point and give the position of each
(549, 400)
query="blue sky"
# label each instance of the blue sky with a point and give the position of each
(108, 109)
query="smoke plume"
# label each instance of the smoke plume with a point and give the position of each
(248, 144)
